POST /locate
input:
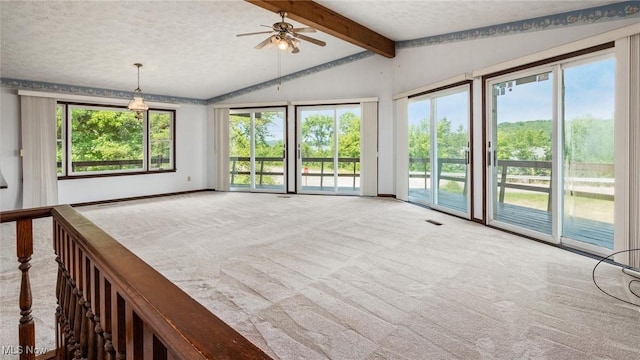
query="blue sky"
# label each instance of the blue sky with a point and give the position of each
(451, 106)
(589, 89)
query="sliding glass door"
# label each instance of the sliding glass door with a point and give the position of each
(257, 150)
(521, 150)
(439, 125)
(328, 149)
(551, 152)
(588, 159)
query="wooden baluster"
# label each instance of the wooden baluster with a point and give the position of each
(354, 174)
(59, 284)
(98, 302)
(70, 301)
(503, 182)
(89, 325)
(79, 316)
(66, 296)
(71, 318)
(81, 308)
(261, 170)
(233, 172)
(66, 292)
(100, 342)
(26, 329)
(120, 327)
(106, 317)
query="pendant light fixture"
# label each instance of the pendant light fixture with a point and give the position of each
(137, 104)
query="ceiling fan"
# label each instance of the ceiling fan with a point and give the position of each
(286, 36)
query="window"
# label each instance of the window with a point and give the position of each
(439, 123)
(552, 132)
(329, 149)
(257, 149)
(98, 140)
(161, 140)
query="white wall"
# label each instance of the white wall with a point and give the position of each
(413, 68)
(190, 162)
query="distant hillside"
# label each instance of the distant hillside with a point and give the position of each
(586, 140)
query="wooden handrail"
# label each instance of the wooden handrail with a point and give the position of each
(504, 184)
(33, 213)
(261, 172)
(111, 304)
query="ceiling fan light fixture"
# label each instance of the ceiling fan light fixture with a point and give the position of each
(137, 104)
(283, 44)
(285, 36)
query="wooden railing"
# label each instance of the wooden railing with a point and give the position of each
(76, 166)
(341, 160)
(260, 168)
(260, 172)
(113, 305)
(441, 162)
(504, 184)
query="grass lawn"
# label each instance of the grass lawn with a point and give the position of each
(593, 209)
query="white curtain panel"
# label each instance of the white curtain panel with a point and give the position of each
(369, 149)
(633, 104)
(221, 147)
(39, 171)
(402, 148)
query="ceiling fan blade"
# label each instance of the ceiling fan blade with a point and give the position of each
(264, 43)
(254, 33)
(304, 30)
(311, 40)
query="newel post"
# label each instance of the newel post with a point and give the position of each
(26, 329)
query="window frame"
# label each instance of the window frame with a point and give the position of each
(555, 65)
(146, 143)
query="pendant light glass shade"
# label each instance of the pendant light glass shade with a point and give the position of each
(137, 104)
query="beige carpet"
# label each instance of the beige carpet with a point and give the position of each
(316, 277)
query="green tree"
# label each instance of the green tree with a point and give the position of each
(349, 137)
(105, 135)
(420, 145)
(317, 135)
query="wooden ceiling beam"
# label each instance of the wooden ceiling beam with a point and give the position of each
(332, 23)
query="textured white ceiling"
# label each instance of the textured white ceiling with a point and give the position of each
(189, 48)
(411, 19)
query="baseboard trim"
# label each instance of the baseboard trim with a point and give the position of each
(387, 195)
(100, 202)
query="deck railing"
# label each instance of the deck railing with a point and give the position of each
(113, 305)
(80, 166)
(260, 171)
(504, 183)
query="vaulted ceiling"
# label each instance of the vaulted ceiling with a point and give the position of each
(189, 48)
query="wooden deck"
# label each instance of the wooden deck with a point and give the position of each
(585, 230)
(588, 231)
(449, 200)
